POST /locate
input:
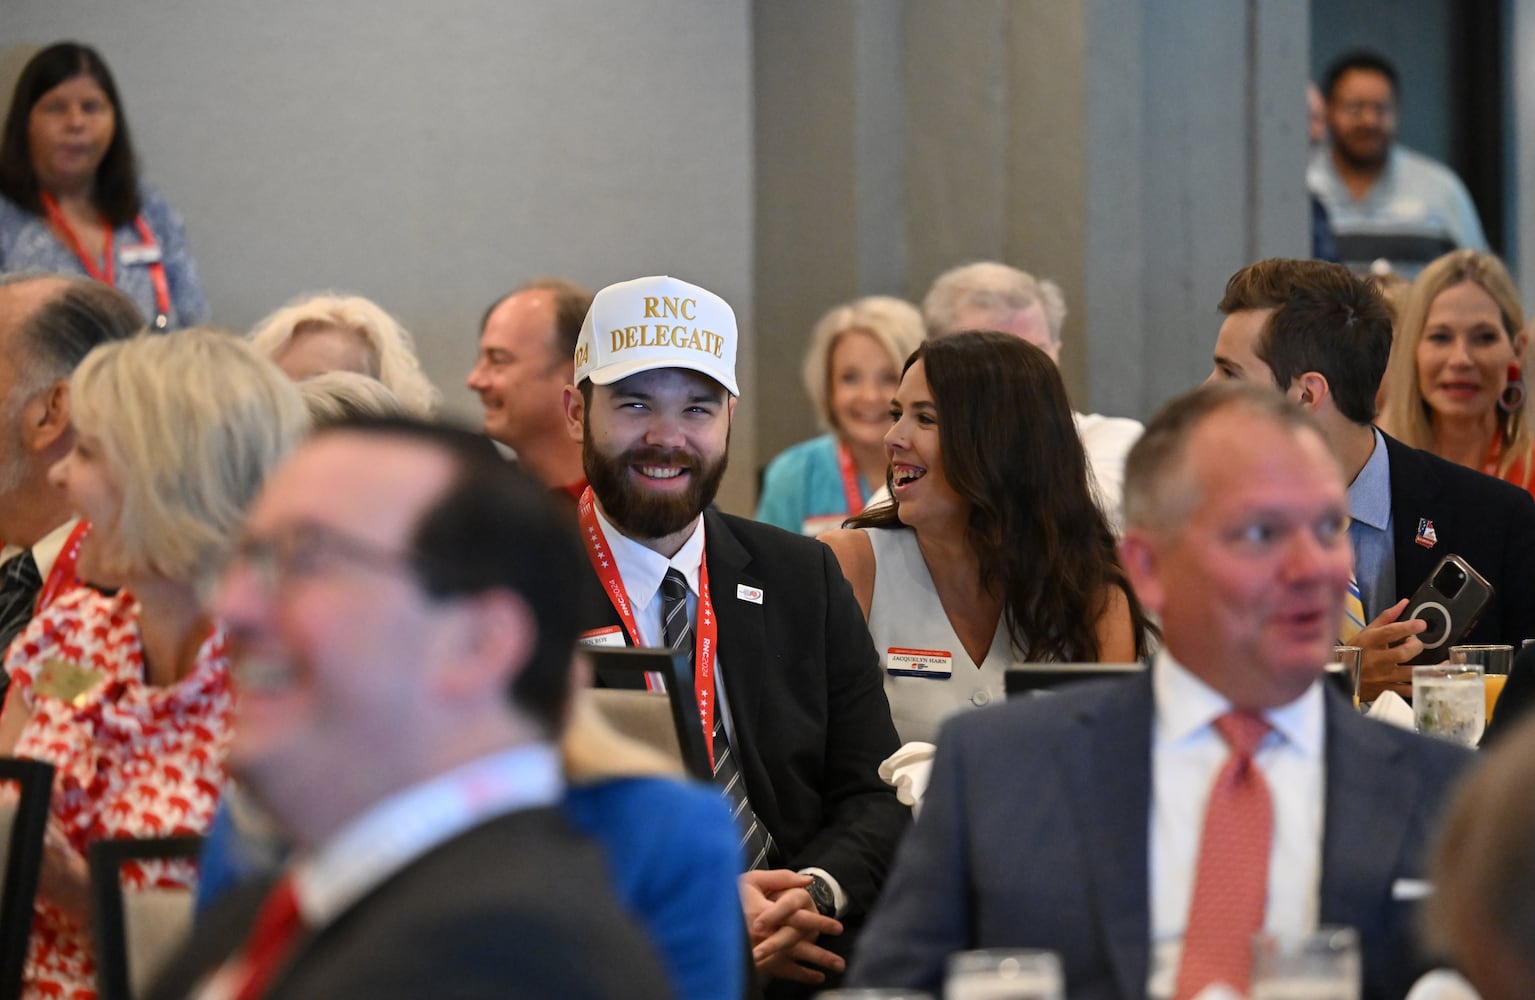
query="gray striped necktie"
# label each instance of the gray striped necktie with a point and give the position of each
(756, 842)
(19, 584)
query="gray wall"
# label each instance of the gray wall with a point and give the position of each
(1137, 152)
(431, 156)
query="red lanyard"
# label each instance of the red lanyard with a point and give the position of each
(705, 635)
(156, 268)
(851, 491)
(62, 576)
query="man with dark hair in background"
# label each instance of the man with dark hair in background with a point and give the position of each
(527, 340)
(1322, 336)
(1383, 199)
(48, 323)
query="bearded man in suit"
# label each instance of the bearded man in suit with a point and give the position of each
(785, 675)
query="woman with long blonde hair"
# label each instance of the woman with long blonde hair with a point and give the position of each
(1456, 377)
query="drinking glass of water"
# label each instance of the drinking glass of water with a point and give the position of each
(1323, 965)
(1495, 660)
(1449, 701)
(1004, 974)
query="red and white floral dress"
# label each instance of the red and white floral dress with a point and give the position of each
(131, 760)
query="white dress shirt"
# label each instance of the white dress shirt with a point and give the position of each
(46, 552)
(1187, 754)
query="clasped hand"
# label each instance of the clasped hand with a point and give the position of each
(783, 926)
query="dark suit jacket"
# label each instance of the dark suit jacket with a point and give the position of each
(807, 702)
(1034, 833)
(1485, 521)
(519, 906)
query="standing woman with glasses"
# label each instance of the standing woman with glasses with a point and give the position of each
(71, 201)
(128, 693)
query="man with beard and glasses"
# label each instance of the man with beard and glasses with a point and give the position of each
(1385, 201)
(48, 323)
(786, 677)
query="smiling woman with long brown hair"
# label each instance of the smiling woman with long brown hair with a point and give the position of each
(993, 552)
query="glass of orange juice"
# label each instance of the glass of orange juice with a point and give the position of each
(1495, 661)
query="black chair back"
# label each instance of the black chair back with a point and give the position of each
(27, 790)
(117, 968)
(1032, 678)
(626, 667)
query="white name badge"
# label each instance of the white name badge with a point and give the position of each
(937, 664)
(752, 595)
(139, 253)
(613, 635)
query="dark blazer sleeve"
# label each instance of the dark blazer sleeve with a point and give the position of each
(864, 819)
(924, 915)
(807, 702)
(1386, 792)
(1487, 522)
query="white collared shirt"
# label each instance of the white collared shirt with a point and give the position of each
(1187, 754)
(46, 550)
(642, 570)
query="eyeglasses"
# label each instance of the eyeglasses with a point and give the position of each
(1357, 109)
(307, 550)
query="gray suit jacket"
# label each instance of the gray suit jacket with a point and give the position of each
(1034, 833)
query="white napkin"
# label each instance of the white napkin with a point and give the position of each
(1392, 708)
(907, 771)
(1442, 984)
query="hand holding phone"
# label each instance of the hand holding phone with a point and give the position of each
(1448, 603)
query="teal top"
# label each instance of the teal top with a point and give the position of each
(802, 488)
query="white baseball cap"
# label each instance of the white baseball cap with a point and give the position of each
(657, 322)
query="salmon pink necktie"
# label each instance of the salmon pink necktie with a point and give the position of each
(1231, 879)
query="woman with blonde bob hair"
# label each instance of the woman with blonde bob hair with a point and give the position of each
(1455, 383)
(127, 692)
(851, 370)
(333, 332)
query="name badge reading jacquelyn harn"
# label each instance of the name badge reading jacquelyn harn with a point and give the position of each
(937, 664)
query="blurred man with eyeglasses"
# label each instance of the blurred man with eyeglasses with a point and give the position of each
(1385, 201)
(401, 613)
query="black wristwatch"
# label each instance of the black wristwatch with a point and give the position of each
(821, 895)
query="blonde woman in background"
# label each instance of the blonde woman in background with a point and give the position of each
(1455, 384)
(851, 372)
(128, 695)
(331, 332)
